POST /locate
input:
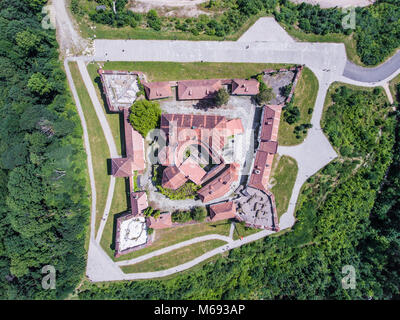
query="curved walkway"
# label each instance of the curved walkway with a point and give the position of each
(174, 247)
(231, 245)
(107, 134)
(97, 260)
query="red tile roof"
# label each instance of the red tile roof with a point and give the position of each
(198, 89)
(234, 126)
(162, 222)
(121, 167)
(173, 178)
(138, 202)
(245, 87)
(157, 90)
(134, 144)
(219, 186)
(223, 211)
(192, 170)
(261, 171)
(268, 146)
(193, 121)
(270, 123)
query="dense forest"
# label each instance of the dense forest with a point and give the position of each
(377, 27)
(343, 219)
(44, 207)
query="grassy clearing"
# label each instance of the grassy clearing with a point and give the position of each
(114, 119)
(284, 173)
(174, 258)
(168, 71)
(168, 237)
(328, 99)
(93, 30)
(392, 87)
(119, 206)
(242, 231)
(97, 141)
(305, 96)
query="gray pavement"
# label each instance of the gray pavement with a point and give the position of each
(376, 74)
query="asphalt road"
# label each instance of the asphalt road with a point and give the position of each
(376, 74)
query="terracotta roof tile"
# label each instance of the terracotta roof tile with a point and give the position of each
(245, 87)
(198, 89)
(157, 90)
(223, 211)
(162, 222)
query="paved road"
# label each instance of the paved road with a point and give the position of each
(311, 155)
(376, 74)
(330, 56)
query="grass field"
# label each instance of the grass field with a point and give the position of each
(168, 237)
(242, 231)
(392, 87)
(305, 95)
(284, 173)
(97, 141)
(114, 119)
(174, 258)
(168, 71)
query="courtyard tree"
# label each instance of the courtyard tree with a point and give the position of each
(145, 116)
(222, 97)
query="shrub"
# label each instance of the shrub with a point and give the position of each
(181, 216)
(291, 114)
(199, 214)
(153, 21)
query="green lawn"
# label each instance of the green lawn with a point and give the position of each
(168, 71)
(283, 176)
(168, 237)
(119, 206)
(392, 87)
(97, 141)
(242, 231)
(305, 95)
(174, 258)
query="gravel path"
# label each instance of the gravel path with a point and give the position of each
(174, 247)
(109, 138)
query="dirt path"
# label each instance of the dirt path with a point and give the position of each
(337, 3)
(68, 36)
(179, 8)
